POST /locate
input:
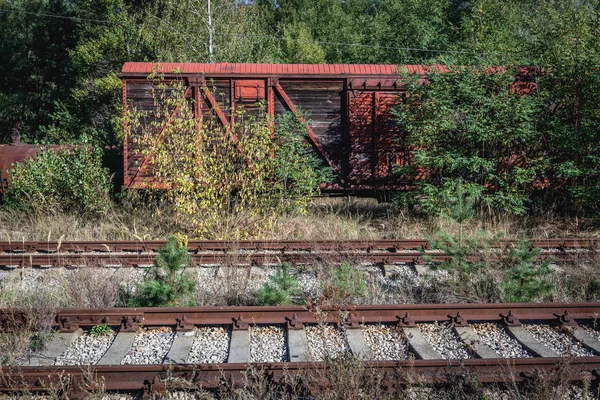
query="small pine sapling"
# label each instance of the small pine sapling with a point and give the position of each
(523, 281)
(168, 284)
(280, 289)
(463, 250)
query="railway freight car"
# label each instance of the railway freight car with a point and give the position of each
(350, 125)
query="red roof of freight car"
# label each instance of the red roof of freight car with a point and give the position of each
(223, 69)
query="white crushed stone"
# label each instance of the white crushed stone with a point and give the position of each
(135, 276)
(326, 341)
(591, 329)
(211, 345)
(268, 344)
(150, 346)
(259, 276)
(385, 342)
(558, 339)
(3, 273)
(495, 336)
(444, 339)
(308, 284)
(86, 350)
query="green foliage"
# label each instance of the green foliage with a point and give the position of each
(101, 330)
(523, 280)
(299, 46)
(227, 182)
(465, 252)
(167, 284)
(39, 340)
(297, 171)
(571, 119)
(280, 289)
(468, 262)
(60, 179)
(60, 77)
(348, 283)
(468, 125)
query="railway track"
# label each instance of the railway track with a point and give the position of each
(255, 252)
(496, 342)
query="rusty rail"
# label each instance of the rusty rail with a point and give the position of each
(272, 245)
(157, 378)
(137, 253)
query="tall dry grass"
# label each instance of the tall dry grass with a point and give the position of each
(327, 218)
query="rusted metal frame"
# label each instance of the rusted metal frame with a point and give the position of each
(346, 134)
(270, 100)
(187, 94)
(232, 101)
(313, 138)
(375, 98)
(261, 75)
(215, 106)
(197, 106)
(126, 180)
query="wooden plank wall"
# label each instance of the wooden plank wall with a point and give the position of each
(362, 140)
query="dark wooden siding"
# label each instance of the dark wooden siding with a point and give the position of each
(322, 101)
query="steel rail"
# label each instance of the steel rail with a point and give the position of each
(295, 317)
(74, 260)
(80, 380)
(156, 379)
(196, 246)
(128, 254)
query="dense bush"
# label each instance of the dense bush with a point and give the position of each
(469, 125)
(296, 171)
(226, 182)
(571, 123)
(60, 179)
(513, 150)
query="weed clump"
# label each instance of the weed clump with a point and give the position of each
(347, 284)
(101, 330)
(167, 284)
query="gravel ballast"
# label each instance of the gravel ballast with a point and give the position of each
(211, 345)
(268, 344)
(591, 329)
(495, 336)
(86, 350)
(385, 342)
(150, 346)
(558, 339)
(326, 341)
(444, 339)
